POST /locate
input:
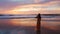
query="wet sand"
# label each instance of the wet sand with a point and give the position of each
(28, 26)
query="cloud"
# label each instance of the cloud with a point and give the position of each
(10, 4)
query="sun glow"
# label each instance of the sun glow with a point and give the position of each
(27, 9)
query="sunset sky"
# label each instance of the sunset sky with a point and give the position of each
(7, 6)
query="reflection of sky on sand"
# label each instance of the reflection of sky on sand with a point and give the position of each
(51, 22)
(17, 26)
(28, 25)
(24, 22)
